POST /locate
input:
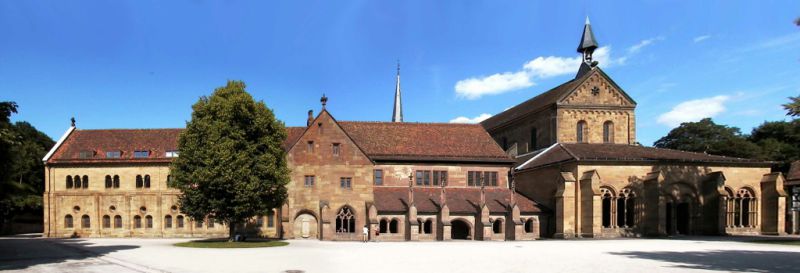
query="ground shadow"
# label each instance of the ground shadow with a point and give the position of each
(24, 251)
(724, 260)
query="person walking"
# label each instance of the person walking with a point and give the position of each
(366, 233)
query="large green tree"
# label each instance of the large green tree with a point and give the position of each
(793, 107)
(709, 137)
(232, 166)
(779, 141)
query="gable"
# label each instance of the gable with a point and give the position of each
(325, 132)
(597, 89)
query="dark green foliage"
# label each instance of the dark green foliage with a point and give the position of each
(231, 166)
(793, 106)
(779, 141)
(706, 136)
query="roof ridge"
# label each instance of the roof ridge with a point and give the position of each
(411, 123)
(129, 129)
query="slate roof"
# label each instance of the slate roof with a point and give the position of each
(459, 200)
(583, 152)
(424, 141)
(793, 176)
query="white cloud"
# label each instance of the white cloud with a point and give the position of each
(536, 69)
(701, 38)
(477, 119)
(638, 47)
(693, 110)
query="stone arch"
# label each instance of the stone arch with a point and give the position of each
(607, 196)
(394, 226)
(461, 229)
(683, 203)
(305, 225)
(427, 226)
(497, 226)
(345, 220)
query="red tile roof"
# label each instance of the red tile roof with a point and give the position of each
(292, 135)
(566, 152)
(424, 141)
(459, 200)
(157, 141)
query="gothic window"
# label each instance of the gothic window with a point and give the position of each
(582, 132)
(168, 221)
(497, 226)
(109, 182)
(179, 221)
(532, 144)
(345, 221)
(68, 221)
(117, 221)
(148, 220)
(147, 181)
(607, 197)
(393, 226)
(77, 180)
(137, 221)
(85, 181)
(69, 182)
(608, 132)
(377, 177)
(427, 227)
(85, 221)
(626, 208)
(743, 206)
(383, 226)
(139, 181)
(106, 221)
(116, 181)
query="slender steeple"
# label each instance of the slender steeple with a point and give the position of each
(588, 43)
(397, 113)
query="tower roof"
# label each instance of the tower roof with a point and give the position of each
(397, 113)
(588, 42)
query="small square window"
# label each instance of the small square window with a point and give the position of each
(141, 154)
(336, 149)
(345, 182)
(378, 177)
(113, 154)
(310, 146)
(309, 181)
(173, 153)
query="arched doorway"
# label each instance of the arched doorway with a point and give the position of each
(682, 218)
(305, 226)
(460, 230)
(682, 205)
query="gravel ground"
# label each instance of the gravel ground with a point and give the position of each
(696, 254)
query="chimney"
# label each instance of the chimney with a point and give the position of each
(310, 118)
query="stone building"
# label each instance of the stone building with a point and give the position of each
(576, 153)
(793, 189)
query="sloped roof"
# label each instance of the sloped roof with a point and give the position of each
(292, 135)
(424, 141)
(793, 177)
(583, 152)
(459, 200)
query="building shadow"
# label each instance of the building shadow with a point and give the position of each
(25, 251)
(724, 260)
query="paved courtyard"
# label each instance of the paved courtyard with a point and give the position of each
(33, 254)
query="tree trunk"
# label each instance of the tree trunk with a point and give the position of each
(231, 232)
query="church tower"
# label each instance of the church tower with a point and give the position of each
(397, 113)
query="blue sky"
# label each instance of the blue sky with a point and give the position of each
(142, 64)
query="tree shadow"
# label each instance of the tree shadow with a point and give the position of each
(725, 260)
(22, 252)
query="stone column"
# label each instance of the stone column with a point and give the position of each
(773, 204)
(655, 205)
(565, 206)
(591, 205)
(444, 220)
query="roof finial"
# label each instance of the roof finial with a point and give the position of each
(323, 100)
(72, 119)
(397, 113)
(587, 20)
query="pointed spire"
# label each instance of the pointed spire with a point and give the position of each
(397, 113)
(588, 43)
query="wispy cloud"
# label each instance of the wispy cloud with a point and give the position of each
(477, 119)
(701, 38)
(536, 69)
(642, 44)
(786, 41)
(694, 110)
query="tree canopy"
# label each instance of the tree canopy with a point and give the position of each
(231, 165)
(705, 136)
(793, 106)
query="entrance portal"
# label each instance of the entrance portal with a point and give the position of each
(305, 226)
(460, 230)
(682, 218)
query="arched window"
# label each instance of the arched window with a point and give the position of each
(608, 132)
(582, 132)
(109, 183)
(85, 181)
(532, 144)
(147, 181)
(529, 225)
(117, 221)
(427, 228)
(85, 221)
(68, 221)
(384, 226)
(393, 226)
(345, 221)
(148, 220)
(179, 221)
(607, 197)
(626, 208)
(744, 208)
(497, 226)
(116, 181)
(139, 182)
(106, 221)
(137, 221)
(77, 180)
(168, 221)
(69, 182)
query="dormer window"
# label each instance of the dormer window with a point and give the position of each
(173, 153)
(141, 154)
(113, 154)
(86, 154)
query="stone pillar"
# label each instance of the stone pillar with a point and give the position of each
(372, 219)
(516, 226)
(326, 230)
(565, 206)
(591, 205)
(444, 221)
(412, 228)
(484, 224)
(773, 204)
(655, 205)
